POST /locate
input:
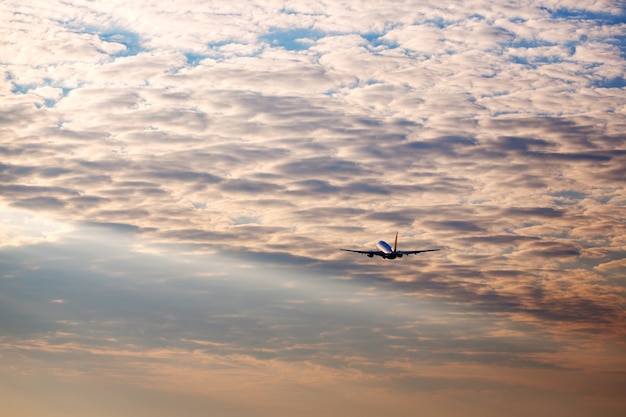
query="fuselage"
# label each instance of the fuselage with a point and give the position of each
(385, 248)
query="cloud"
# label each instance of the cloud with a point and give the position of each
(283, 132)
(617, 264)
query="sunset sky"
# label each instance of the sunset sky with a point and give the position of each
(177, 178)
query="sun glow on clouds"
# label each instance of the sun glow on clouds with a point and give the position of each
(278, 132)
(20, 227)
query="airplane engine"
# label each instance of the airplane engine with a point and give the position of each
(370, 255)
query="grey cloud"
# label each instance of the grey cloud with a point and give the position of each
(78, 135)
(524, 147)
(320, 212)
(17, 115)
(54, 172)
(85, 202)
(613, 175)
(313, 186)
(280, 258)
(445, 146)
(11, 172)
(366, 187)
(120, 227)
(201, 236)
(249, 186)
(541, 212)
(551, 249)
(187, 119)
(184, 176)
(562, 131)
(82, 180)
(27, 190)
(40, 203)
(533, 301)
(575, 309)
(133, 188)
(572, 157)
(513, 143)
(396, 218)
(321, 166)
(499, 239)
(126, 213)
(455, 225)
(10, 151)
(105, 165)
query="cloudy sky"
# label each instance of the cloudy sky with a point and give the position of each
(176, 180)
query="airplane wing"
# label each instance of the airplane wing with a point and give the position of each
(369, 253)
(412, 252)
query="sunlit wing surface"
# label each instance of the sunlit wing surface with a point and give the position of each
(369, 253)
(411, 252)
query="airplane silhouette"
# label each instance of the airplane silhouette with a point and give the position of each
(387, 252)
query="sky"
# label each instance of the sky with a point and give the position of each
(177, 178)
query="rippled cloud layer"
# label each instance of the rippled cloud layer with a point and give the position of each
(279, 132)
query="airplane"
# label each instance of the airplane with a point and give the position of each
(385, 250)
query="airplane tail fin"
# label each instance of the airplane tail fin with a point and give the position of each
(395, 243)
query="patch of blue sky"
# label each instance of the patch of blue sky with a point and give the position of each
(218, 44)
(25, 88)
(530, 43)
(22, 88)
(50, 82)
(357, 84)
(571, 46)
(245, 220)
(504, 113)
(293, 39)
(620, 42)
(285, 10)
(519, 60)
(130, 40)
(477, 16)
(518, 20)
(582, 14)
(603, 199)
(600, 18)
(194, 58)
(440, 22)
(536, 61)
(292, 12)
(617, 82)
(569, 194)
(554, 59)
(219, 55)
(48, 102)
(376, 40)
(372, 37)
